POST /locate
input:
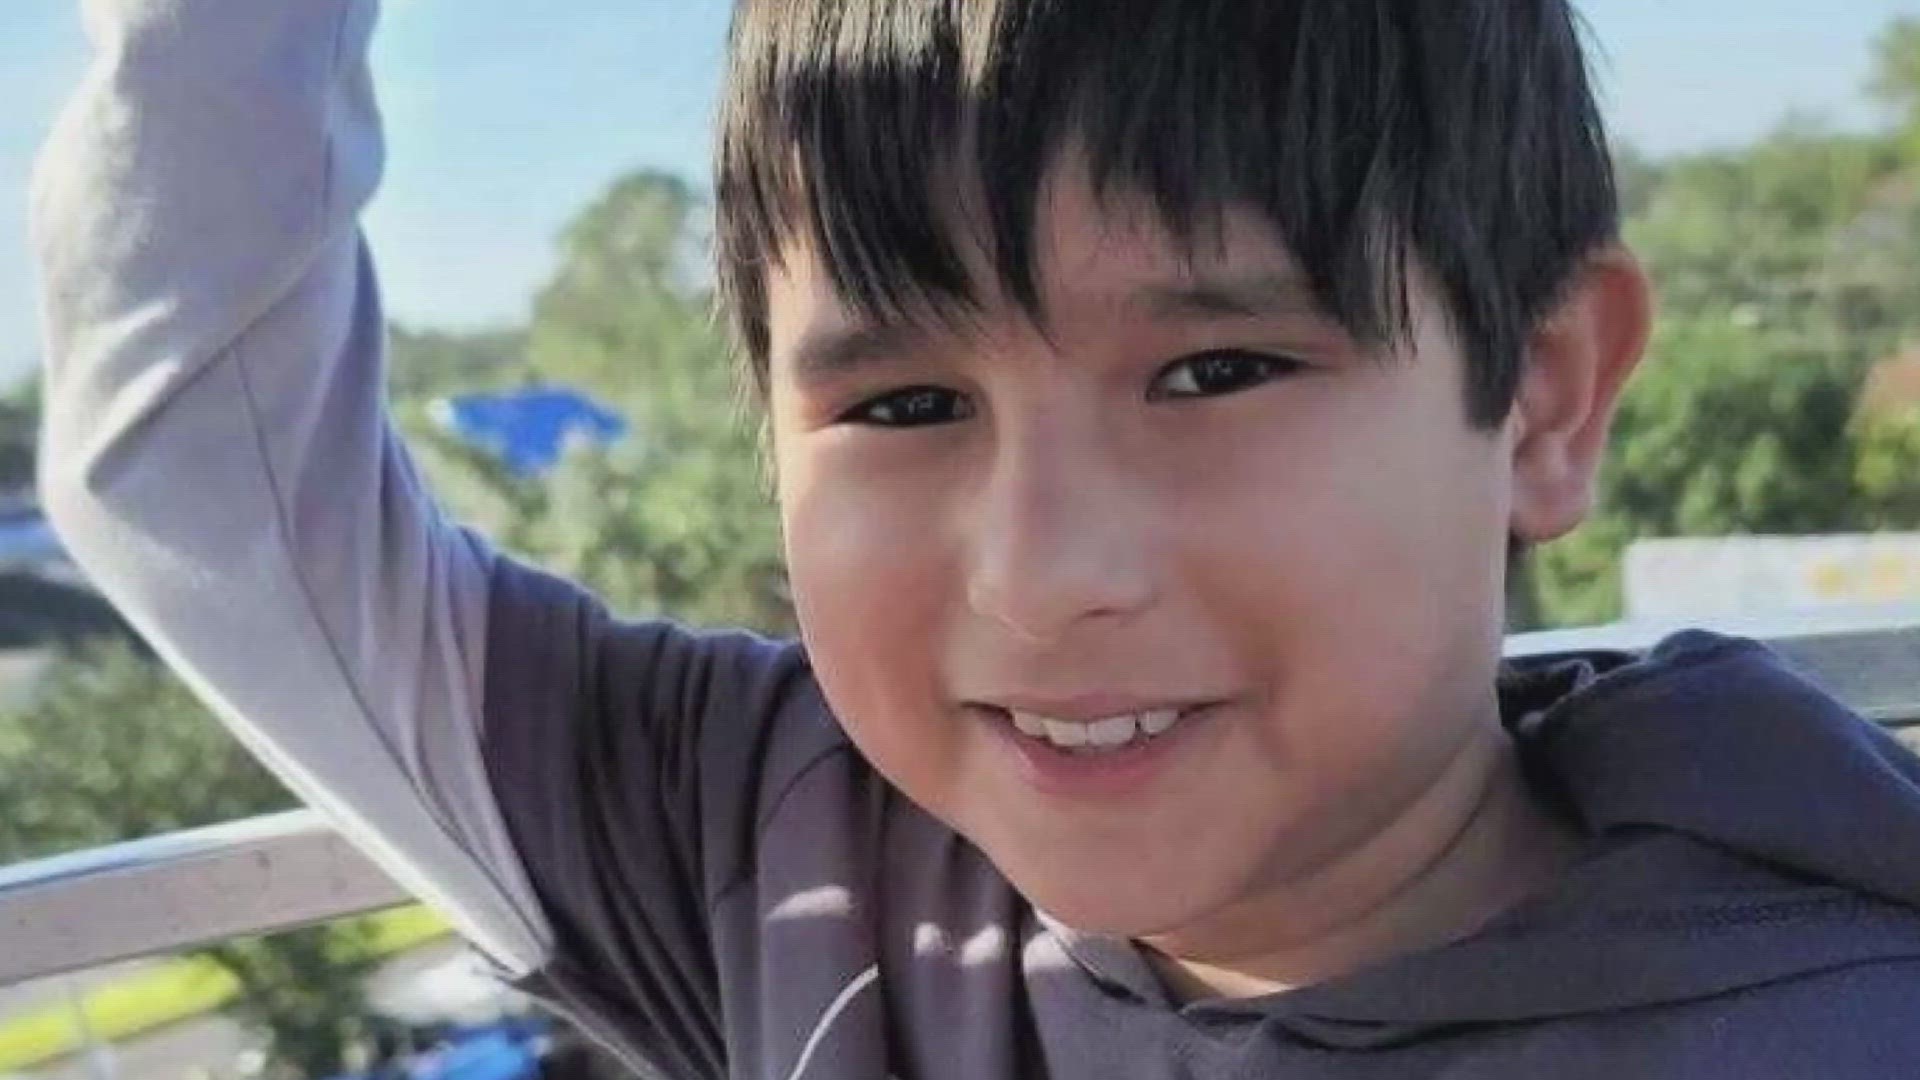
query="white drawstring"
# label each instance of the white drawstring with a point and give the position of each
(840, 1002)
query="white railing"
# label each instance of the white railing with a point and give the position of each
(174, 892)
(273, 873)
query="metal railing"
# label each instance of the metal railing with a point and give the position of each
(175, 892)
(274, 873)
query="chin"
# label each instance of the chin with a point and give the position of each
(1131, 904)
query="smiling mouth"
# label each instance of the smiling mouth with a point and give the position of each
(1122, 731)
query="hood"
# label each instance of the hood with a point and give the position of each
(1744, 828)
(1719, 739)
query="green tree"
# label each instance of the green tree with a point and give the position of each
(432, 361)
(676, 519)
(1784, 270)
(112, 747)
(1887, 471)
(1896, 76)
(1727, 429)
(626, 315)
(1775, 235)
(306, 989)
(1637, 179)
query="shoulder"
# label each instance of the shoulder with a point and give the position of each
(631, 729)
(1856, 1021)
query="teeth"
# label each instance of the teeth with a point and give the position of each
(1060, 733)
(1108, 734)
(1118, 731)
(1157, 721)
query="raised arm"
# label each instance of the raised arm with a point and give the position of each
(216, 453)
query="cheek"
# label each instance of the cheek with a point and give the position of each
(1323, 508)
(872, 586)
(1366, 569)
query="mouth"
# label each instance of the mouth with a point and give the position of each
(1097, 757)
(1098, 735)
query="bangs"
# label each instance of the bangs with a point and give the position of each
(890, 136)
(904, 141)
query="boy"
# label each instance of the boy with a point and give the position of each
(1157, 390)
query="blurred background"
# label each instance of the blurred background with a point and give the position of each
(555, 366)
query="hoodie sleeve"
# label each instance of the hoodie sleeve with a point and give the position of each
(216, 453)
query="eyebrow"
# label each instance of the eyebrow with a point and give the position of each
(1257, 296)
(823, 356)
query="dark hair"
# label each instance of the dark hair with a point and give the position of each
(1457, 135)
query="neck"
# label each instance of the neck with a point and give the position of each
(1471, 846)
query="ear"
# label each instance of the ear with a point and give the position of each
(1578, 359)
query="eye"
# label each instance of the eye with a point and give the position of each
(913, 406)
(1222, 371)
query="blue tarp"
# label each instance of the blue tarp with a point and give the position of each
(506, 1050)
(494, 1055)
(527, 429)
(26, 540)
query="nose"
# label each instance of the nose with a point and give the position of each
(1062, 534)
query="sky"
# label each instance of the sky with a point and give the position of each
(505, 117)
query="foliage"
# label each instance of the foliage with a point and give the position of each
(1775, 233)
(1784, 271)
(676, 520)
(1896, 81)
(1896, 77)
(1887, 471)
(1728, 429)
(308, 986)
(111, 748)
(420, 360)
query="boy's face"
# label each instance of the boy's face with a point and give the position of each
(1189, 492)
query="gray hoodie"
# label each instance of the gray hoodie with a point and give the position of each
(665, 834)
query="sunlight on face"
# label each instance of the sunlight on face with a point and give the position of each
(1190, 491)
